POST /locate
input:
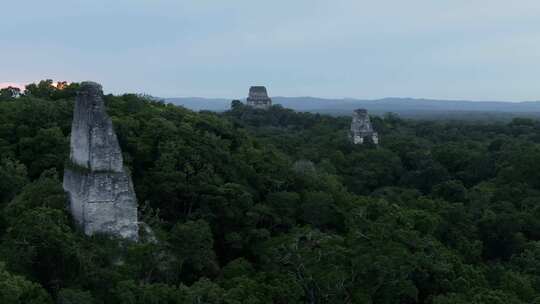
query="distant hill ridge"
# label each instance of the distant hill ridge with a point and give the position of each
(407, 107)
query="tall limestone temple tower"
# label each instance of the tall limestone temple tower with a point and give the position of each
(258, 98)
(100, 190)
(361, 128)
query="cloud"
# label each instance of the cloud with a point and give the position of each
(338, 48)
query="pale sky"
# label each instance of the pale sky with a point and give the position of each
(453, 49)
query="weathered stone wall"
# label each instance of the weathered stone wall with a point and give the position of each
(100, 190)
(258, 98)
(93, 141)
(102, 202)
(361, 128)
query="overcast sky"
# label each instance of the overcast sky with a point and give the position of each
(463, 49)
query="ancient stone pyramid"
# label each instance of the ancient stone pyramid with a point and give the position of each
(100, 190)
(258, 98)
(361, 128)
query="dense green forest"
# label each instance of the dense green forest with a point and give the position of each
(254, 206)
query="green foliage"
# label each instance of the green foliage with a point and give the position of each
(452, 191)
(9, 93)
(41, 245)
(318, 209)
(73, 296)
(46, 89)
(13, 177)
(253, 206)
(46, 191)
(192, 243)
(16, 289)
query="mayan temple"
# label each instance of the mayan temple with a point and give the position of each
(100, 190)
(258, 98)
(361, 128)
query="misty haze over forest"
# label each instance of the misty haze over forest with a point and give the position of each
(405, 107)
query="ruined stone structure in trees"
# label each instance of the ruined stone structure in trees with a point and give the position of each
(361, 128)
(100, 190)
(258, 98)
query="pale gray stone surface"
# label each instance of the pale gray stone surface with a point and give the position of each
(100, 190)
(258, 98)
(361, 128)
(93, 141)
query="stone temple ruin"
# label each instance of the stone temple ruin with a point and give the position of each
(258, 98)
(361, 128)
(100, 190)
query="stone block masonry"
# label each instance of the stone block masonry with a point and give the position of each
(361, 128)
(258, 98)
(93, 141)
(100, 190)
